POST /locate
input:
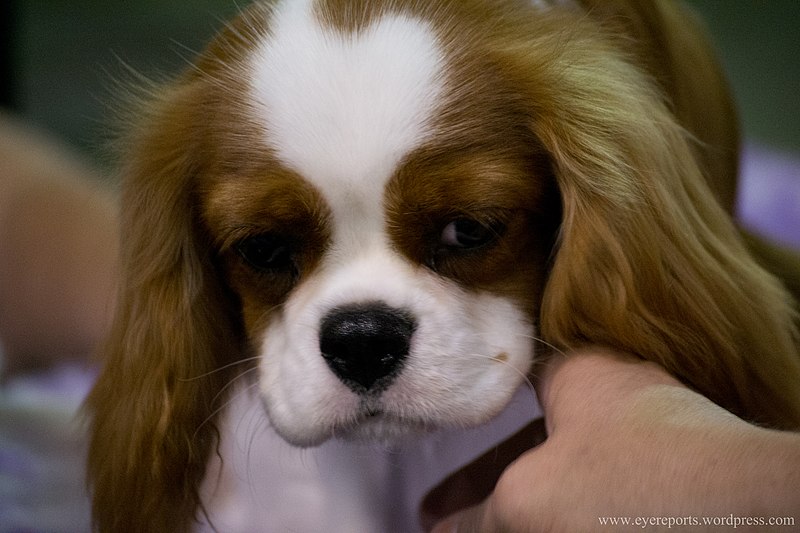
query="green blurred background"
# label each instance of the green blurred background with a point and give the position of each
(60, 57)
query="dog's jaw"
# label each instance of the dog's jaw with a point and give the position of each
(342, 111)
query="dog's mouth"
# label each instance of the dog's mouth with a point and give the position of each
(372, 413)
(376, 423)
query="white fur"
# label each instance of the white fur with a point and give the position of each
(343, 111)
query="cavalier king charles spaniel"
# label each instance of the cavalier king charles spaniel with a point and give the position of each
(382, 212)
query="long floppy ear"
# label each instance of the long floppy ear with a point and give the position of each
(671, 44)
(647, 260)
(155, 402)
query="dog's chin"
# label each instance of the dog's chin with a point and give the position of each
(385, 419)
(380, 428)
(370, 426)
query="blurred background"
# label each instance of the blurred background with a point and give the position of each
(59, 58)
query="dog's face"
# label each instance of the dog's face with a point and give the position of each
(386, 240)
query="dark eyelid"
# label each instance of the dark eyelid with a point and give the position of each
(260, 251)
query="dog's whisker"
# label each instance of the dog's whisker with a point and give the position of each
(221, 393)
(221, 369)
(258, 423)
(233, 381)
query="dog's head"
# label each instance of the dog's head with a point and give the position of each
(373, 209)
(385, 226)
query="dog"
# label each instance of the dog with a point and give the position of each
(382, 213)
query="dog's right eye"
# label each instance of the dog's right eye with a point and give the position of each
(267, 253)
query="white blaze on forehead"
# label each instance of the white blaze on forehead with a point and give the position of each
(342, 109)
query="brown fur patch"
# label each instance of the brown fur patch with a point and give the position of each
(271, 200)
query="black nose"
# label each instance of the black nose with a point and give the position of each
(365, 345)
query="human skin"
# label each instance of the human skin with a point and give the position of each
(58, 252)
(628, 440)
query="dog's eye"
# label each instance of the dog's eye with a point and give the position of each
(267, 252)
(467, 234)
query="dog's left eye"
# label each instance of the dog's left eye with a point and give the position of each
(267, 252)
(468, 234)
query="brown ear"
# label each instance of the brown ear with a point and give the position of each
(672, 45)
(647, 261)
(157, 397)
(675, 50)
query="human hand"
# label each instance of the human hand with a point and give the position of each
(625, 440)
